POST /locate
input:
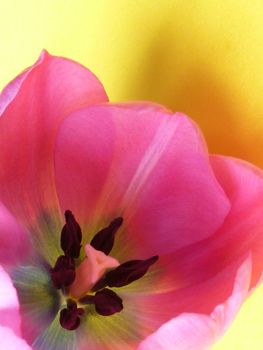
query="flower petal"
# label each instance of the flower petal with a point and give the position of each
(32, 108)
(242, 231)
(191, 331)
(10, 341)
(154, 309)
(15, 244)
(9, 306)
(142, 163)
(208, 267)
(143, 315)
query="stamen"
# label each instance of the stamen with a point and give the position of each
(93, 273)
(106, 302)
(63, 273)
(69, 317)
(71, 236)
(126, 273)
(104, 239)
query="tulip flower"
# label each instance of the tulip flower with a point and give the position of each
(118, 229)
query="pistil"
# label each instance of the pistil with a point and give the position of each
(92, 268)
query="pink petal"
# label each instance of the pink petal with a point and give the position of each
(32, 107)
(145, 164)
(10, 341)
(15, 244)
(143, 315)
(9, 306)
(242, 231)
(191, 331)
(151, 309)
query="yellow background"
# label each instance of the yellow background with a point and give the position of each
(202, 57)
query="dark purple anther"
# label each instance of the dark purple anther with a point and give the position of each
(129, 272)
(71, 236)
(106, 302)
(69, 317)
(104, 239)
(63, 273)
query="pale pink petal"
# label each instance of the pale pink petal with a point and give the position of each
(9, 341)
(32, 108)
(9, 306)
(186, 332)
(15, 244)
(145, 164)
(191, 331)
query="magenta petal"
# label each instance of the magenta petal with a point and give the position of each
(147, 165)
(32, 107)
(158, 307)
(180, 202)
(9, 306)
(15, 244)
(10, 341)
(191, 331)
(83, 156)
(242, 231)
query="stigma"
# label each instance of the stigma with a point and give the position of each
(92, 268)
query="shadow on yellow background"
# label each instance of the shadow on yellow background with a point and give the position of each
(204, 58)
(192, 87)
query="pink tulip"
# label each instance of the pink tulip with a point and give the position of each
(118, 230)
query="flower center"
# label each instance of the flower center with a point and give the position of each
(87, 283)
(92, 268)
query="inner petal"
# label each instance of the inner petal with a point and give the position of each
(32, 108)
(151, 168)
(91, 270)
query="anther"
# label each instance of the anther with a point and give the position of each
(63, 273)
(71, 236)
(106, 302)
(104, 239)
(125, 273)
(69, 317)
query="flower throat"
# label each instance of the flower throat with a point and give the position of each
(90, 281)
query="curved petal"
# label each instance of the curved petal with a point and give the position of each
(144, 314)
(142, 163)
(32, 107)
(9, 306)
(15, 243)
(198, 331)
(10, 341)
(242, 231)
(186, 332)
